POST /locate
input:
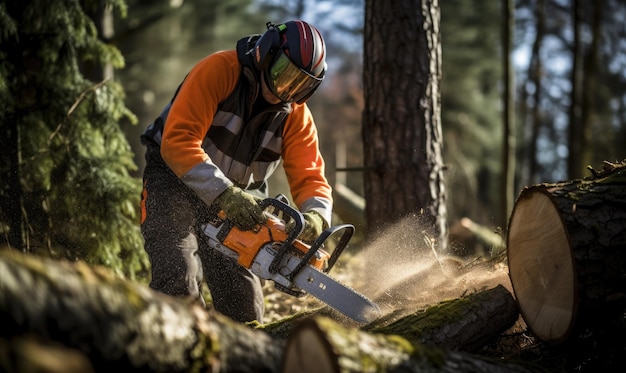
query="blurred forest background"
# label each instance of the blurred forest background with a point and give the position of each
(569, 61)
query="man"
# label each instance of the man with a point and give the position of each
(235, 116)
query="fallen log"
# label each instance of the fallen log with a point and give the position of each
(319, 344)
(118, 324)
(567, 255)
(466, 324)
(281, 329)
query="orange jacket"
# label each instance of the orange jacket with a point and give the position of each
(205, 110)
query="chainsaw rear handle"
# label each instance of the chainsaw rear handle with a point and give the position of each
(348, 231)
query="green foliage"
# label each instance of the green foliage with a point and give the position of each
(77, 198)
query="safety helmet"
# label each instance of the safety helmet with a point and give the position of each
(292, 59)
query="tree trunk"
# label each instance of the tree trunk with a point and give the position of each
(575, 139)
(567, 254)
(508, 114)
(281, 329)
(468, 323)
(319, 344)
(402, 137)
(465, 324)
(121, 325)
(590, 87)
(536, 75)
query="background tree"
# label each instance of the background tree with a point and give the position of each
(535, 80)
(582, 45)
(402, 137)
(590, 77)
(508, 115)
(574, 112)
(66, 189)
(471, 111)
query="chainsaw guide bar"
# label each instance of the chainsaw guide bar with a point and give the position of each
(338, 296)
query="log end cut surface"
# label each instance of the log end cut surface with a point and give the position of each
(541, 266)
(309, 353)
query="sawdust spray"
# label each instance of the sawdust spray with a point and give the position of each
(401, 270)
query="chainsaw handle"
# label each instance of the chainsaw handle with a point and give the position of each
(291, 235)
(341, 244)
(348, 231)
(290, 211)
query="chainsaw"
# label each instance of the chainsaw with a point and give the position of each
(296, 268)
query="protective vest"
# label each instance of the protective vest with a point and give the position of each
(245, 146)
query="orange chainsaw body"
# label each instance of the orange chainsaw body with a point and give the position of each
(296, 268)
(248, 243)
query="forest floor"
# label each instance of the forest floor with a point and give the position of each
(416, 278)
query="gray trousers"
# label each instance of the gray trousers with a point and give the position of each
(180, 259)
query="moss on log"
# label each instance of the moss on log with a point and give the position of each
(281, 329)
(319, 344)
(466, 323)
(118, 324)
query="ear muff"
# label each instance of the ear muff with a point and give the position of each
(266, 47)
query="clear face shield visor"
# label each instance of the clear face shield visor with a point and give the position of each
(289, 82)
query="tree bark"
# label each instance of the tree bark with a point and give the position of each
(575, 133)
(567, 254)
(465, 324)
(118, 324)
(319, 344)
(536, 75)
(508, 114)
(282, 328)
(590, 86)
(468, 323)
(402, 137)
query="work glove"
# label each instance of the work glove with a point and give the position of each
(241, 207)
(314, 224)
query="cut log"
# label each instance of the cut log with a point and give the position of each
(320, 344)
(566, 247)
(465, 324)
(281, 329)
(120, 325)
